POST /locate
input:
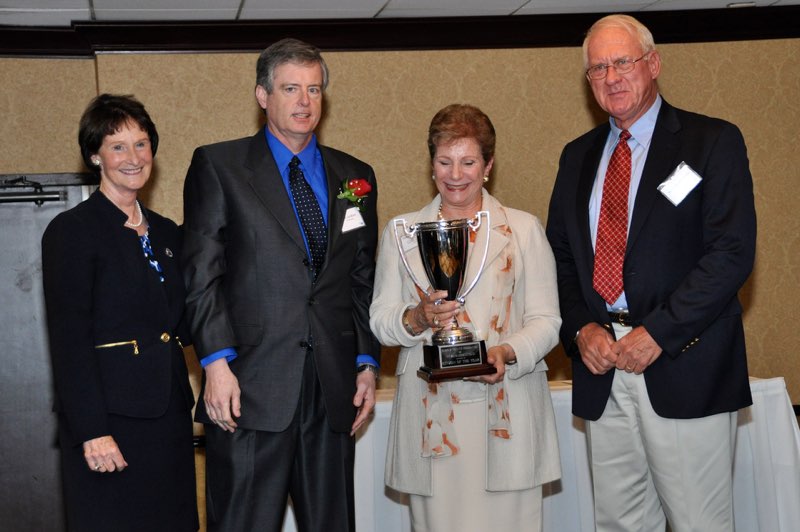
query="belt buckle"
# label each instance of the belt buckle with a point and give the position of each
(622, 318)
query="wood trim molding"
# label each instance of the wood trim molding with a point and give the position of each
(85, 39)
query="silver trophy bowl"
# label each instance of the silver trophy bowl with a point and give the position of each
(443, 247)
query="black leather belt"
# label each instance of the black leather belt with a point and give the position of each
(624, 319)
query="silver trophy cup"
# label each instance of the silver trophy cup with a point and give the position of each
(443, 248)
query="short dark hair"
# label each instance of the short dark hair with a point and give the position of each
(287, 51)
(458, 121)
(107, 114)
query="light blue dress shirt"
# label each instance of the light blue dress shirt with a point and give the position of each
(641, 134)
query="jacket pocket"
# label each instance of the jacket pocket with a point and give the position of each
(248, 334)
(133, 343)
(136, 378)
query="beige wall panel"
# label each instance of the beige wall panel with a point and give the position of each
(381, 104)
(193, 99)
(42, 101)
(378, 107)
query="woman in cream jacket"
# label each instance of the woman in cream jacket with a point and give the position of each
(472, 454)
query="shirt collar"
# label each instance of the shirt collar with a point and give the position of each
(283, 155)
(642, 130)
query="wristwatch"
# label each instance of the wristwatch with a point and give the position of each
(368, 367)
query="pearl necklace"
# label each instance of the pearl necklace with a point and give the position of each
(141, 217)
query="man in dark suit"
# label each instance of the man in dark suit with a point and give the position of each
(279, 274)
(648, 291)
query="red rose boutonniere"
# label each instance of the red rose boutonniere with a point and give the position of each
(355, 191)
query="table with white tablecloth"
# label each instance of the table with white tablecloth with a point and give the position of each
(766, 468)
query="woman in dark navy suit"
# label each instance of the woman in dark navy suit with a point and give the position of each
(114, 297)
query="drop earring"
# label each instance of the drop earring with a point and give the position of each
(486, 178)
(433, 176)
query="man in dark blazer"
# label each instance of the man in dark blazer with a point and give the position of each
(280, 316)
(659, 366)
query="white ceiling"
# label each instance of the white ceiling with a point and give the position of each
(64, 12)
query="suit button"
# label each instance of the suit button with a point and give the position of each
(165, 337)
(311, 301)
(305, 262)
(304, 344)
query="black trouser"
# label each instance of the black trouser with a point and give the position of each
(250, 473)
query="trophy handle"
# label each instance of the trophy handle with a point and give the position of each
(475, 225)
(409, 233)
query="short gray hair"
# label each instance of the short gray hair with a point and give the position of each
(287, 51)
(635, 28)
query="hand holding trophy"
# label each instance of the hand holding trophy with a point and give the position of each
(443, 247)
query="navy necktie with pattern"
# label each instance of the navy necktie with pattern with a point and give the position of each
(310, 214)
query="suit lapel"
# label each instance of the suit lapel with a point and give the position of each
(266, 182)
(121, 237)
(661, 160)
(334, 173)
(583, 195)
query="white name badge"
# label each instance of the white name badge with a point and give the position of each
(352, 220)
(680, 182)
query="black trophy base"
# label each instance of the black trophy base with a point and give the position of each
(454, 362)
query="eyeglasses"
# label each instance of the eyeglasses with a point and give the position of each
(621, 66)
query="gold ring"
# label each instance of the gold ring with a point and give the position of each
(629, 368)
(436, 320)
(97, 467)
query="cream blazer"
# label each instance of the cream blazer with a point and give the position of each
(530, 457)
